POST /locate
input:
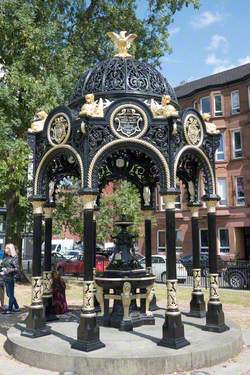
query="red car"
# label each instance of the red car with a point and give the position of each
(76, 266)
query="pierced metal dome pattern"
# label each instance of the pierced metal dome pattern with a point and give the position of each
(123, 75)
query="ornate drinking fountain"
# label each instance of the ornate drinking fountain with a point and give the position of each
(125, 281)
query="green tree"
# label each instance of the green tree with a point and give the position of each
(42, 43)
(125, 200)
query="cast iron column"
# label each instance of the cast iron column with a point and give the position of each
(88, 337)
(173, 328)
(47, 272)
(197, 303)
(215, 321)
(35, 321)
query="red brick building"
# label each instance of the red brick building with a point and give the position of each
(226, 96)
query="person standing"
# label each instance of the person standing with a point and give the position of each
(9, 268)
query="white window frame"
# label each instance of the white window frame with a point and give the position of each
(163, 249)
(239, 149)
(203, 247)
(221, 152)
(235, 110)
(218, 113)
(243, 202)
(225, 247)
(204, 97)
(226, 199)
(160, 249)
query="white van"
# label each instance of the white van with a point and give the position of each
(61, 246)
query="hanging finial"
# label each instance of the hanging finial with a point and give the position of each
(122, 42)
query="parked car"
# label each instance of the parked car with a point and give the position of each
(73, 254)
(75, 266)
(187, 261)
(238, 275)
(159, 269)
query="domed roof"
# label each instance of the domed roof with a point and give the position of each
(121, 75)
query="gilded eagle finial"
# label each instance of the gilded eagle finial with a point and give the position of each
(122, 42)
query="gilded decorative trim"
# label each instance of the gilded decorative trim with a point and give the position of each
(47, 284)
(211, 206)
(55, 148)
(36, 285)
(214, 288)
(67, 135)
(126, 299)
(196, 279)
(169, 200)
(88, 297)
(193, 130)
(134, 141)
(185, 148)
(38, 207)
(172, 295)
(48, 212)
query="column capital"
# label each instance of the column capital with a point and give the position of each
(88, 199)
(38, 203)
(211, 202)
(48, 211)
(194, 208)
(148, 214)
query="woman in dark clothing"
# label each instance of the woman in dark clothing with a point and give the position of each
(9, 267)
(60, 305)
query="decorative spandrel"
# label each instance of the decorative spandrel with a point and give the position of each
(128, 121)
(193, 130)
(58, 129)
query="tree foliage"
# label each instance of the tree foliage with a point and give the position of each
(126, 201)
(45, 44)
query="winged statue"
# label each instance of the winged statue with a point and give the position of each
(122, 42)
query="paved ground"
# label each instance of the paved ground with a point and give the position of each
(236, 366)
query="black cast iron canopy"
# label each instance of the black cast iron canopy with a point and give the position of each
(121, 75)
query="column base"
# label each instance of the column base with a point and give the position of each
(173, 332)
(48, 308)
(215, 321)
(35, 323)
(148, 320)
(197, 305)
(126, 325)
(88, 337)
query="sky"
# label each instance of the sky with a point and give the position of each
(209, 40)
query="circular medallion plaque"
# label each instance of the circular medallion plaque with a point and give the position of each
(58, 129)
(193, 130)
(128, 121)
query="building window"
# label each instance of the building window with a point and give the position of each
(222, 190)
(235, 102)
(220, 152)
(218, 105)
(203, 240)
(161, 240)
(239, 191)
(178, 240)
(224, 241)
(237, 147)
(248, 90)
(205, 105)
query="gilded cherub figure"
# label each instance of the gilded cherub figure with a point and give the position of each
(38, 123)
(210, 126)
(92, 108)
